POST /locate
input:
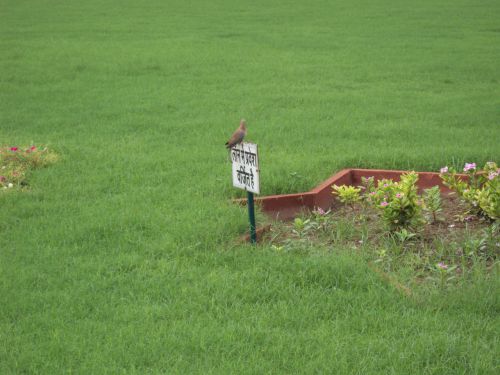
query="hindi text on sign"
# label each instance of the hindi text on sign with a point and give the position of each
(245, 167)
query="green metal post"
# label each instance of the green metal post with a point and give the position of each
(251, 216)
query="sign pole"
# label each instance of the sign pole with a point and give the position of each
(251, 216)
(245, 166)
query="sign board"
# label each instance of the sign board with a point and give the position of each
(246, 167)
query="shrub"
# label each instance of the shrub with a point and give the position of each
(400, 205)
(347, 194)
(481, 189)
(397, 202)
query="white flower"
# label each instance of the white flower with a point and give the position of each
(11, 185)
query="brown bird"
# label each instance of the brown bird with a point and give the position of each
(238, 135)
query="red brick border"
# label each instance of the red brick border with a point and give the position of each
(287, 206)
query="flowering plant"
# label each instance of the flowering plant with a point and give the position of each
(402, 208)
(481, 189)
(321, 218)
(397, 201)
(16, 162)
(444, 271)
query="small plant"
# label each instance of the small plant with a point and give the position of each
(398, 202)
(385, 259)
(490, 241)
(404, 235)
(348, 195)
(374, 195)
(277, 248)
(481, 189)
(445, 273)
(321, 218)
(368, 184)
(432, 203)
(301, 227)
(381, 255)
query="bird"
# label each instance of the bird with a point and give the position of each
(238, 135)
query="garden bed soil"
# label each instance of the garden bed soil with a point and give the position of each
(453, 224)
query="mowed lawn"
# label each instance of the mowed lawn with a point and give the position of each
(121, 258)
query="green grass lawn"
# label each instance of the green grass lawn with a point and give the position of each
(120, 259)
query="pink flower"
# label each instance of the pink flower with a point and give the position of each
(385, 185)
(32, 148)
(444, 169)
(399, 195)
(492, 175)
(14, 149)
(469, 166)
(2, 178)
(320, 211)
(442, 266)
(384, 204)
(372, 193)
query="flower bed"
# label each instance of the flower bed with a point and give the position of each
(456, 242)
(17, 162)
(288, 206)
(438, 226)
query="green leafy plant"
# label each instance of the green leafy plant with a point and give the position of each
(445, 272)
(277, 248)
(375, 195)
(404, 235)
(301, 227)
(347, 194)
(481, 189)
(368, 184)
(385, 259)
(321, 218)
(489, 246)
(432, 203)
(398, 202)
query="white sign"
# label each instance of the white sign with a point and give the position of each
(245, 167)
